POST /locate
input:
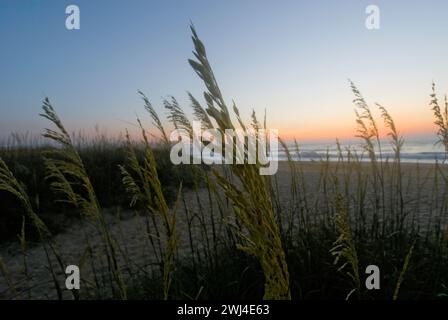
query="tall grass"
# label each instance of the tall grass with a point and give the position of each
(344, 247)
(440, 118)
(252, 201)
(11, 185)
(69, 179)
(146, 187)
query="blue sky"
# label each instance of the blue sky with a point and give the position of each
(291, 57)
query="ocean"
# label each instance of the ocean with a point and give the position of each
(413, 151)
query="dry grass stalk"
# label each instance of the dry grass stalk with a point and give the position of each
(142, 182)
(252, 201)
(344, 247)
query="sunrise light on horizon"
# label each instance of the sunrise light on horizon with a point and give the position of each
(296, 67)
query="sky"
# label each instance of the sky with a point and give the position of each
(290, 58)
